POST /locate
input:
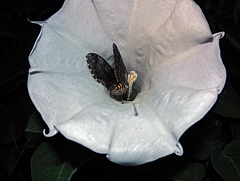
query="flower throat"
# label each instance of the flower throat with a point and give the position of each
(118, 81)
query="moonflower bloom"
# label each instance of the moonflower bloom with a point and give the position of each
(167, 43)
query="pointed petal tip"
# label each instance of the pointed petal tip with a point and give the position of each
(41, 23)
(124, 163)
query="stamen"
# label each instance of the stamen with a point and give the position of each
(132, 77)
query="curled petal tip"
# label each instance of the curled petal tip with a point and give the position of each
(51, 133)
(179, 150)
(219, 34)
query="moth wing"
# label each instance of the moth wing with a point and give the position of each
(120, 70)
(101, 70)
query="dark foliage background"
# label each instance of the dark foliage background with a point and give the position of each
(212, 146)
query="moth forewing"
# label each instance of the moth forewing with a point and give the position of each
(101, 71)
(120, 70)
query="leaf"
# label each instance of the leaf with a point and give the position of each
(9, 157)
(176, 168)
(197, 146)
(213, 129)
(57, 161)
(194, 171)
(204, 150)
(35, 123)
(227, 162)
(235, 131)
(190, 171)
(34, 139)
(197, 141)
(228, 104)
(48, 165)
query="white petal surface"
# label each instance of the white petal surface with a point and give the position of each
(168, 44)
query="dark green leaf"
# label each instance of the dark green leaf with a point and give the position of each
(193, 171)
(34, 139)
(57, 161)
(227, 161)
(204, 150)
(176, 168)
(197, 141)
(48, 165)
(213, 129)
(35, 123)
(199, 148)
(228, 103)
(9, 158)
(235, 131)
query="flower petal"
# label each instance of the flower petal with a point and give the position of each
(171, 48)
(154, 132)
(162, 28)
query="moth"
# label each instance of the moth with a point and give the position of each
(117, 80)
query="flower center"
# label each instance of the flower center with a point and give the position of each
(117, 80)
(126, 92)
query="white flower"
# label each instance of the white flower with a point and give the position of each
(168, 44)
